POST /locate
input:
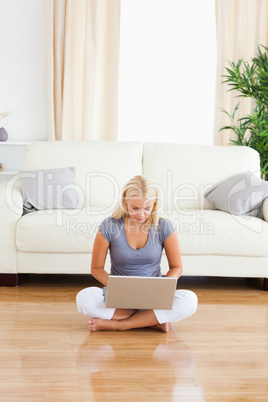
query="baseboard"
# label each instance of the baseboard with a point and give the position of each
(9, 279)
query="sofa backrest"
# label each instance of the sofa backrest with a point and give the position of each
(185, 172)
(182, 172)
(102, 167)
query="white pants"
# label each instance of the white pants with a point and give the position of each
(90, 301)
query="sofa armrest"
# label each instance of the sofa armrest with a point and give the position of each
(265, 209)
(11, 208)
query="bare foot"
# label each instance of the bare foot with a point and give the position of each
(161, 327)
(96, 324)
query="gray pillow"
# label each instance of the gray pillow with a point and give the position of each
(49, 189)
(240, 195)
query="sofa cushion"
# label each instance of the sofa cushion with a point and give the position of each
(102, 167)
(49, 189)
(185, 172)
(211, 232)
(58, 231)
(239, 195)
(200, 232)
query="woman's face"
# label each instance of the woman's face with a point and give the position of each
(139, 208)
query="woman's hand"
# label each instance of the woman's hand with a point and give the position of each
(173, 253)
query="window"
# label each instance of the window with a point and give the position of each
(167, 71)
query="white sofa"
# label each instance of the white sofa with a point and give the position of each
(213, 243)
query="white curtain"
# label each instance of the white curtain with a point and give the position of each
(241, 27)
(82, 53)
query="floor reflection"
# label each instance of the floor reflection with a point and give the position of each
(138, 363)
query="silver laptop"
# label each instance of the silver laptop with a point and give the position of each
(135, 292)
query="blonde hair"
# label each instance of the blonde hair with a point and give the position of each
(144, 187)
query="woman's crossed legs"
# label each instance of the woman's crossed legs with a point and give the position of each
(90, 301)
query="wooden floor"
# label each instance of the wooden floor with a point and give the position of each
(219, 354)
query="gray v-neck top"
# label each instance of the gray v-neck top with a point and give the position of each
(128, 261)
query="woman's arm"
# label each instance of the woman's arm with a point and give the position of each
(99, 253)
(173, 253)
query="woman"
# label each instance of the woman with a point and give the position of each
(135, 236)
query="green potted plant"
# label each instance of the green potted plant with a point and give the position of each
(250, 80)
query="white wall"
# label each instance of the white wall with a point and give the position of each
(167, 71)
(22, 68)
